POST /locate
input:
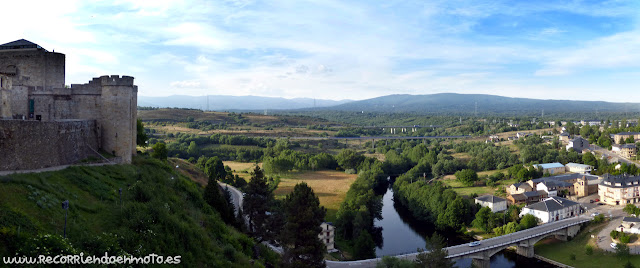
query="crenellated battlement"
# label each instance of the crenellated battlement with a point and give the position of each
(116, 80)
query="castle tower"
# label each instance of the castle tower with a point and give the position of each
(118, 116)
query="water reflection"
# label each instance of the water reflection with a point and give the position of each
(401, 233)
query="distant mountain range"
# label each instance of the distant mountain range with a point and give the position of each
(228, 103)
(434, 104)
(468, 104)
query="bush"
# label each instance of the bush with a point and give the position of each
(624, 238)
(588, 249)
(614, 234)
(598, 218)
(572, 256)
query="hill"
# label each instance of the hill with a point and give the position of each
(229, 103)
(465, 104)
(160, 211)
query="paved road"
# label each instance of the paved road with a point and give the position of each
(236, 196)
(607, 153)
(464, 249)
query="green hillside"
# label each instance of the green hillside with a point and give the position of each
(162, 212)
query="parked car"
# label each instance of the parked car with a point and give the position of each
(473, 244)
(600, 204)
(591, 201)
(614, 245)
(597, 200)
(595, 214)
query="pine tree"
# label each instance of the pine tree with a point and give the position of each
(304, 215)
(215, 197)
(258, 197)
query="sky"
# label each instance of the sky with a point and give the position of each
(326, 49)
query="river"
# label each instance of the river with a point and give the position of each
(403, 234)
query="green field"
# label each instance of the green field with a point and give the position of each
(451, 181)
(330, 186)
(560, 251)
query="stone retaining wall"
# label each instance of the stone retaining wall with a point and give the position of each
(34, 145)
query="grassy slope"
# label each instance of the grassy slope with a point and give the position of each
(560, 251)
(163, 213)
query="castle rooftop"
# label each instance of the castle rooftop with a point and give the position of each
(20, 44)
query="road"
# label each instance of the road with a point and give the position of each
(236, 196)
(464, 249)
(607, 153)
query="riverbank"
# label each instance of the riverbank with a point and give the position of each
(561, 251)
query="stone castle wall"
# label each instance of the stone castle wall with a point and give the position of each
(33, 67)
(26, 144)
(32, 88)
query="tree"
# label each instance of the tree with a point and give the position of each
(364, 247)
(141, 136)
(214, 196)
(304, 215)
(628, 265)
(160, 151)
(589, 159)
(622, 250)
(631, 209)
(214, 168)
(434, 255)
(529, 221)
(467, 176)
(257, 199)
(192, 149)
(393, 262)
(482, 219)
(349, 159)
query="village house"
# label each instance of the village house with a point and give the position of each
(625, 135)
(578, 144)
(619, 190)
(630, 225)
(496, 204)
(553, 209)
(578, 168)
(625, 150)
(518, 188)
(564, 136)
(526, 197)
(327, 235)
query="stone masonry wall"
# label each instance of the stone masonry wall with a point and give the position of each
(26, 144)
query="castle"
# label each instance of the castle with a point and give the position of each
(44, 123)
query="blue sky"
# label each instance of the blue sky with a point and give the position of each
(583, 50)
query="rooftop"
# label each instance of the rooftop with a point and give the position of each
(566, 177)
(549, 165)
(577, 165)
(630, 219)
(490, 198)
(623, 180)
(552, 204)
(628, 133)
(19, 44)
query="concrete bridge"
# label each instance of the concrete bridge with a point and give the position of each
(481, 254)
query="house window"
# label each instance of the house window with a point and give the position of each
(328, 241)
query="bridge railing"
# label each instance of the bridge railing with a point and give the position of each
(512, 241)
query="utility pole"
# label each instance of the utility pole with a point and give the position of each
(65, 206)
(476, 111)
